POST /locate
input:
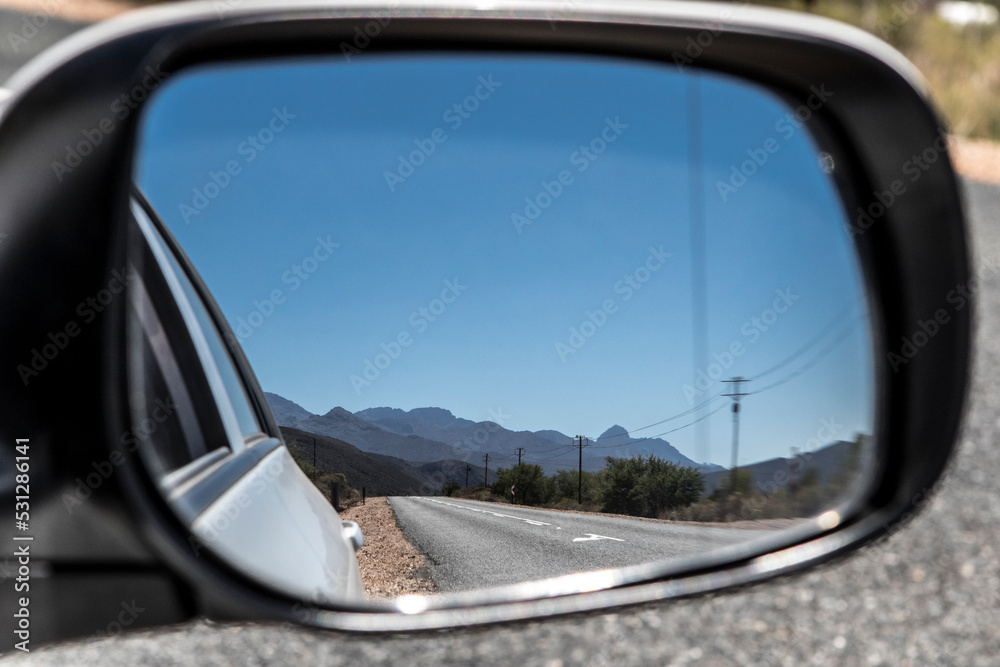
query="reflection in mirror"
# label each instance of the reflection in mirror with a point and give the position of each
(522, 316)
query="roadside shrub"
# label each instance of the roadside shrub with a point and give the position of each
(531, 486)
(648, 486)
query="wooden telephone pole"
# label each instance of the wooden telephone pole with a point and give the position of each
(735, 394)
(579, 474)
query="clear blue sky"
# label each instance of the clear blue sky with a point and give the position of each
(521, 288)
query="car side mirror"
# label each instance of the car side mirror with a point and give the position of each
(680, 284)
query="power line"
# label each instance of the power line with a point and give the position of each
(546, 451)
(664, 421)
(815, 360)
(566, 449)
(823, 332)
(673, 430)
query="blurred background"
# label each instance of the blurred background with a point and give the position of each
(956, 44)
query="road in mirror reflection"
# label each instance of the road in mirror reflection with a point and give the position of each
(565, 313)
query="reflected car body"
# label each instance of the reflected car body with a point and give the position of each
(220, 459)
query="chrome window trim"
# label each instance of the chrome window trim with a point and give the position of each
(219, 394)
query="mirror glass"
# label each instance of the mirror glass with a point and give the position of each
(541, 314)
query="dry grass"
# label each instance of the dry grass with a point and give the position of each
(961, 65)
(80, 11)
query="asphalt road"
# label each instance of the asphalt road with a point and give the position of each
(473, 545)
(928, 596)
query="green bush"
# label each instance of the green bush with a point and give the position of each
(531, 486)
(648, 486)
(566, 486)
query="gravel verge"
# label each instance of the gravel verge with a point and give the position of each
(390, 565)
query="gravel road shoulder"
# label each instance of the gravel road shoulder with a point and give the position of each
(390, 565)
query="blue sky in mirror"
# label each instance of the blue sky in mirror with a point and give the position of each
(513, 237)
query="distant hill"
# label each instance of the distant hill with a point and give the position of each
(361, 469)
(431, 474)
(775, 473)
(435, 435)
(342, 424)
(285, 412)
(441, 425)
(617, 440)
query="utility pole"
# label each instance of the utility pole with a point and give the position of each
(520, 450)
(579, 473)
(467, 469)
(314, 452)
(735, 394)
(486, 473)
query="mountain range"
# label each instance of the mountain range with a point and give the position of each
(435, 435)
(390, 451)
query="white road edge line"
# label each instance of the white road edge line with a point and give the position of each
(592, 537)
(496, 514)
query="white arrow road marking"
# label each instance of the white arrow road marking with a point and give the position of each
(592, 537)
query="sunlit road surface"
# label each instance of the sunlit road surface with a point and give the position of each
(473, 545)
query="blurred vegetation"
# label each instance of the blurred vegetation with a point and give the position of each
(649, 486)
(324, 479)
(639, 486)
(804, 494)
(961, 64)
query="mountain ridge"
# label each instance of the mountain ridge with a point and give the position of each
(433, 434)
